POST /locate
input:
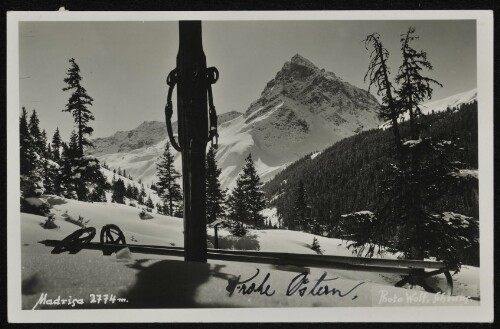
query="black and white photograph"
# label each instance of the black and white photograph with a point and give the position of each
(198, 165)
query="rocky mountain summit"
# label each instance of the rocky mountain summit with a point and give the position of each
(302, 109)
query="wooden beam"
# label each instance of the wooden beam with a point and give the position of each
(192, 111)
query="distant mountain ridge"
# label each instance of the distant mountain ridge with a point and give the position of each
(146, 134)
(302, 109)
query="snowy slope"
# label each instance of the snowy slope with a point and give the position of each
(303, 108)
(140, 162)
(159, 281)
(441, 105)
(149, 192)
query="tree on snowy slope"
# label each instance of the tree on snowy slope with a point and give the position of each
(30, 160)
(56, 146)
(247, 199)
(81, 175)
(406, 220)
(142, 195)
(414, 88)
(36, 135)
(150, 204)
(119, 191)
(25, 145)
(301, 208)
(85, 174)
(378, 75)
(78, 106)
(49, 168)
(215, 194)
(168, 189)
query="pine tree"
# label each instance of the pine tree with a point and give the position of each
(256, 197)
(78, 104)
(142, 195)
(49, 168)
(237, 207)
(168, 189)
(301, 206)
(247, 199)
(25, 144)
(159, 208)
(36, 134)
(51, 176)
(81, 174)
(86, 175)
(49, 152)
(149, 203)
(30, 166)
(378, 75)
(406, 220)
(119, 192)
(43, 145)
(215, 195)
(98, 194)
(135, 192)
(414, 88)
(56, 146)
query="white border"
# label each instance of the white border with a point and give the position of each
(482, 313)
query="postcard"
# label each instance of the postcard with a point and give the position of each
(315, 166)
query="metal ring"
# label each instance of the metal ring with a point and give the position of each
(172, 77)
(212, 75)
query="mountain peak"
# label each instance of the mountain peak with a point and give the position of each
(301, 60)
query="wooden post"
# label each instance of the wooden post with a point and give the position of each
(193, 132)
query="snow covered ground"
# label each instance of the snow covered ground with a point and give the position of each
(149, 192)
(149, 281)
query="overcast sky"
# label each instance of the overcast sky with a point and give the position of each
(124, 64)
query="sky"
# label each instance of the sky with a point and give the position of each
(124, 64)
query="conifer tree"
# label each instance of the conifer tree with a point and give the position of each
(119, 192)
(247, 199)
(36, 134)
(407, 220)
(159, 208)
(86, 175)
(30, 166)
(237, 207)
(215, 194)
(378, 75)
(78, 104)
(98, 194)
(142, 195)
(149, 203)
(135, 192)
(168, 189)
(56, 146)
(414, 88)
(49, 152)
(301, 206)
(26, 145)
(43, 145)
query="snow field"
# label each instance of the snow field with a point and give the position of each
(160, 281)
